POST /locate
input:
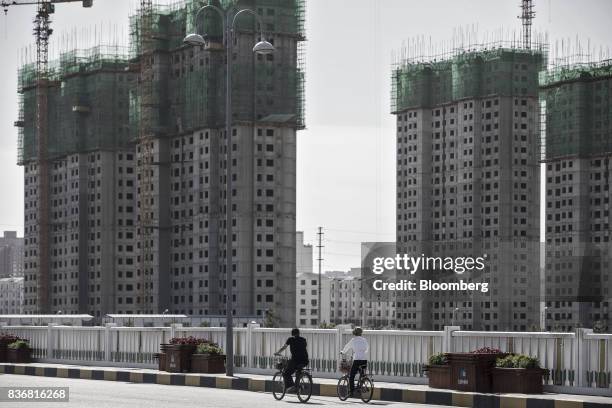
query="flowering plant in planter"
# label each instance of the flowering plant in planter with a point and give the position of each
(517, 361)
(19, 344)
(8, 338)
(212, 349)
(189, 341)
(487, 350)
(438, 359)
(179, 352)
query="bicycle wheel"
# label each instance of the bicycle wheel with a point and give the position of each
(366, 389)
(278, 386)
(342, 389)
(304, 387)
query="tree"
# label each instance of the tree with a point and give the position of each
(271, 319)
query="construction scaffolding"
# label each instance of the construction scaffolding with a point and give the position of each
(82, 85)
(95, 98)
(577, 108)
(474, 72)
(192, 86)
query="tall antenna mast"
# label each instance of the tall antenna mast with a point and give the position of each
(527, 17)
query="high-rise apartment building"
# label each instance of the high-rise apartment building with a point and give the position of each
(468, 183)
(129, 236)
(577, 102)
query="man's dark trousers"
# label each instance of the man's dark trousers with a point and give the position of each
(292, 366)
(354, 371)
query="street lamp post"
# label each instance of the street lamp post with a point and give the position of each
(229, 17)
(453, 317)
(543, 319)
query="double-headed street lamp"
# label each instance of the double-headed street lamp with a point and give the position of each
(229, 18)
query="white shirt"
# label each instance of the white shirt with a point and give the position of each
(360, 347)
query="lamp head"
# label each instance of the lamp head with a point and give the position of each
(194, 39)
(263, 47)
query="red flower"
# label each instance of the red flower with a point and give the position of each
(487, 350)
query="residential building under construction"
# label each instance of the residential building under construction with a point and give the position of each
(577, 154)
(137, 224)
(468, 183)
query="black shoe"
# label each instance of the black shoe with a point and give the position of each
(291, 390)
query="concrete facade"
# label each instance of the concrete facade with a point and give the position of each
(348, 305)
(11, 295)
(11, 255)
(468, 185)
(307, 300)
(578, 291)
(93, 235)
(303, 254)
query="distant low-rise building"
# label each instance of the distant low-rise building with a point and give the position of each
(307, 300)
(349, 306)
(11, 255)
(303, 254)
(11, 295)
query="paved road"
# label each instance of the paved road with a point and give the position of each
(111, 394)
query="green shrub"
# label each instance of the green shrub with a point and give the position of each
(438, 359)
(19, 344)
(517, 361)
(209, 348)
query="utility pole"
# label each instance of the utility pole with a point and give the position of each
(320, 259)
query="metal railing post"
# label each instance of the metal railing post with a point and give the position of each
(50, 339)
(339, 345)
(250, 346)
(447, 340)
(581, 356)
(108, 341)
(173, 328)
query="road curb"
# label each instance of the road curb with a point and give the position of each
(448, 398)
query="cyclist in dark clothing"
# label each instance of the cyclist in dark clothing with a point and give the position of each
(299, 357)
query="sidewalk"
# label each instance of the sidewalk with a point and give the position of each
(323, 387)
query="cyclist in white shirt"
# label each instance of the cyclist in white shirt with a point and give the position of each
(360, 348)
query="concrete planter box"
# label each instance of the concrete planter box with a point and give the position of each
(162, 357)
(439, 376)
(20, 356)
(207, 363)
(3, 352)
(178, 358)
(518, 380)
(472, 372)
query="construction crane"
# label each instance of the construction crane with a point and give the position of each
(146, 157)
(42, 34)
(527, 16)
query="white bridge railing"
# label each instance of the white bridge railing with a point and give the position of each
(577, 362)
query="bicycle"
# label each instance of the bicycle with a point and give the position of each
(365, 385)
(303, 381)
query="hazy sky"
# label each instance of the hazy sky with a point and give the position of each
(345, 169)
